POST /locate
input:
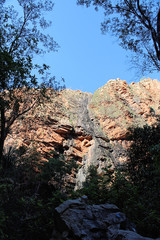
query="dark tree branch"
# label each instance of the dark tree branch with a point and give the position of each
(143, 17)
(2, 138)
(153, 58)
(16, 115)
(9, 122)
(25, 19)
(151, 29)
(158, 28)
(19, 42)
(137, 23)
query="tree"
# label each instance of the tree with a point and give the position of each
(144, 162)
(22, 36)
(143, 169)
(136, 23)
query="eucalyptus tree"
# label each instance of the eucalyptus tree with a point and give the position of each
(136, 24)
(22, 36)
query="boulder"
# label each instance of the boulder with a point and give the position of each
(76, 220)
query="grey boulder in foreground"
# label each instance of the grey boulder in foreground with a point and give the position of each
(76, 220)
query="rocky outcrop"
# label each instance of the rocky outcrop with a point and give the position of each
(118, 106)
(92, 129)
(76, 220)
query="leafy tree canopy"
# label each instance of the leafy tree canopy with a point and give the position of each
(22, 36)
(136, 24)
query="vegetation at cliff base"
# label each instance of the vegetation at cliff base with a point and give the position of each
(30, 189)
(134, 188)
(29, 192)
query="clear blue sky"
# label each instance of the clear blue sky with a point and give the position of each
(86, 59)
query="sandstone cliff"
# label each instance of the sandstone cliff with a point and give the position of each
(90, 128)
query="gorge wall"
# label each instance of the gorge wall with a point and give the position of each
(91, 128)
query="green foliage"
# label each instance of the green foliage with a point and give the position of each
(143, 169)
(57, 171)
(31, 189)
(135, 187)
(96, 186)
(91, 187)
(140, 207)
(136, 24)
(21, 38)
(141, 165)
(29, 192)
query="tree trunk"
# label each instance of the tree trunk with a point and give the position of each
(2, 133)
(158, 33)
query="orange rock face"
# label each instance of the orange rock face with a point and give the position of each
(51, 126)
(90, 128)
(118, 106)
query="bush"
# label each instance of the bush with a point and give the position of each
(135, 187)
(28, 195)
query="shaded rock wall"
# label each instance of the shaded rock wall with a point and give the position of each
(90, 128)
